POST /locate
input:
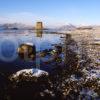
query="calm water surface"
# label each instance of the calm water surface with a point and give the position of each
(10, 41)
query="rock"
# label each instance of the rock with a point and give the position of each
(58, 49)
(27, 51)
(27, 72)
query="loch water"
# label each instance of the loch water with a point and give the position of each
(10, 40)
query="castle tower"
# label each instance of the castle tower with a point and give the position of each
(39, 26)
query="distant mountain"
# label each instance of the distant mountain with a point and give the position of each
(15, 26)
(68, 27)
(85, 27)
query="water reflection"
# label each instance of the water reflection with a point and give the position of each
(39, 33)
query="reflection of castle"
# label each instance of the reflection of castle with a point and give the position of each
(39, 29)
(39, 33)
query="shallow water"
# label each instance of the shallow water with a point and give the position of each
(10, 40)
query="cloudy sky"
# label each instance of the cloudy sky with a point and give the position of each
(51, 12)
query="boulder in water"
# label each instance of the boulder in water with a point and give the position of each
(27, 51)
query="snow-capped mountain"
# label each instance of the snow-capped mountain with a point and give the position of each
(68, 27)
(15, 26)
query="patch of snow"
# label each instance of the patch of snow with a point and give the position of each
(93, 73)
(89, 93)
(31, 44)
(35, 72)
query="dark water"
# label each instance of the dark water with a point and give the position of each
(10, 40)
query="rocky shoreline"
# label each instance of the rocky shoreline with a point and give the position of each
(79, 79)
